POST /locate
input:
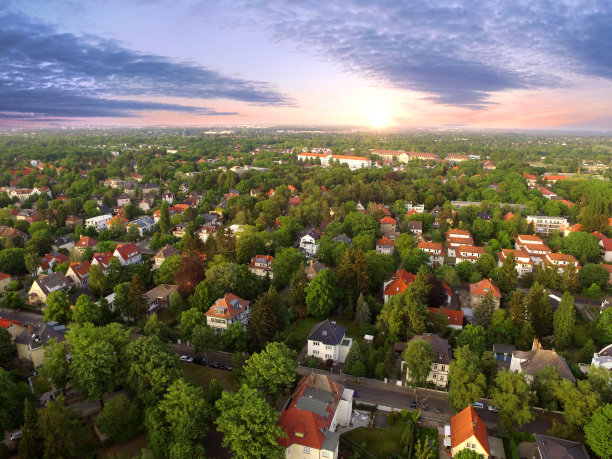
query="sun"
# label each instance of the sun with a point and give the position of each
(379, 118)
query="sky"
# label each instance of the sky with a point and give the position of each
(385, 63)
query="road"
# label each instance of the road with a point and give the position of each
(211, 356)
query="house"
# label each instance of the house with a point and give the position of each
(128, 254)
(327, 341)
(397, 284)
(523, 262)
(46, 284)
(609, 269)
(31, 339)
(533, 245)
(7, 232)
(343, 238)
(62, 242)
(309, 242)
(27, 215)
(455, 318)
(50, 260)
(206, 231)
(547, 225)
(434, 249)
(313, 268)
(5, 280)
(179, 230)
(73, 221)
(603, 358)
(144, 224)
(470, 253)
(228, 310)
(385, 246)
(123, 200)
(489, 165)
(480, 289)
(98, 222)
(78, 273)
(438, 375)
(168, 197)
(166, 251)
(561, 260)
(530, 362)
(102, 260)
(310, 419)
(606, 248)
(388, 226)
(503, 352)
(159, 297)
(261, 265)
(467, 431)
(557, 448)
(456, 238)
(416, 227)
(84, 243)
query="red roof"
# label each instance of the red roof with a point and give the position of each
(4, 276)
(5, 323)
(508, 216)
(387, 220)
(411, 212)
(555, 177)
(466, 424)
(530, 177)
(81, 270)
(127, 251)
(86, 241)
(401, 280)
(483, 287)
(426, 245)
(385, 241)
(230, 308)
(103, 259)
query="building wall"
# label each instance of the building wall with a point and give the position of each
(36, 356)
(472, 441)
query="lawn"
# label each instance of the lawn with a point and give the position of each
(203, 375)
(40, 385)
(299, 332)
(379, 442)
(580, 335)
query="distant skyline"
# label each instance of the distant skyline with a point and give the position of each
(490, 64)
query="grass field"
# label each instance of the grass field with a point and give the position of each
(203, 375)
(379, 442)
(40, 385)
(298, 332)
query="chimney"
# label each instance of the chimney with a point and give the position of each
(311, 261)
(536, 345)
(30, 329)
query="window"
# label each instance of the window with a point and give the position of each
(328, 347)
(306, 450)
(329, 356)
(325, 453)
(435, 366)
(315, 343)
(315, 352)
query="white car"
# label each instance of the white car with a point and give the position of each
(16, 435)
(493, 409)
(478, 405)
(185, 358)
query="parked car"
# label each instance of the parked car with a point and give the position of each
(424, 407)
(413, 405)
(478, 405)
(186, 358)
(16, 435)
(493, 409)
(216, 365)
(438, 410)
(229, 368)
(199, 361)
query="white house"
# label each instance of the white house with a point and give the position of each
(309, 242)
(227, 311)
(603, 358)
(456, 238)
(327, 341)
(144, 224)
(546, 225)
(128, 254)
(533, 245)
(524, 264)
(435, 250)
(98, 222)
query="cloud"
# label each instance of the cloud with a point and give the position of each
(44, 73)
(458, 52)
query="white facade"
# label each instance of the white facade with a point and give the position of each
(309, 244)
(546, 225)
(336, 353)
(98, 222)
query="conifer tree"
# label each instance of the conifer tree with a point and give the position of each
(564, 320)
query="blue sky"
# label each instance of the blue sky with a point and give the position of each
(520, 64)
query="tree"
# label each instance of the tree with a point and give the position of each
(191, 319)
(165, 273)
(12, 300)
(39, 245)
(564, 320)
(270, 370)
(7, 348)
(321, 294)
(418, 356)
(32, 262)
(12, 261)
(86, 311)
(12, 396)
(120, 419)
(189, 275)
(483, 312)
(485, 265)
(204, 296)
(362, 312)
(579, 402)
(584, 246)
(297, 291)
(249, 425)
(286, 262)
(155, 326)
(511, 395)
(468, 454)
(538, 309)
(232, 339)
(507, 275)
(593, 274)
(545, 384)
(353, 273)
(204, 337)
(593, 291)
(473, 336)
(137, 305)
(63, 432)
(152, 367)
(598, 431)
(56, 367)
(97, 280)
(248, 245)
(467, 383)
(263, 322)
(517, 310)
(30, 445)
(164, 218)
(58, 307)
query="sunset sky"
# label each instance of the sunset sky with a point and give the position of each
(494, 64)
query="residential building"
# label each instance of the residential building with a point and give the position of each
(73, 221)
(327, 341)
(467, 431)
(388, 226)
(7, 232)
(418, 208)
(128, 254)
(310, 419)
(416, 227)
(397, 284)
(435, 250)
(102, 260)
(145, 225)
(503, 352)
(561, 260)
(5, 280)
(46, 284)
(468, 252)
(228, 310)
(179, 230)
(546, 225)
(438, 376)
(354, 162)
(455, 318)
(480, 289)
(261, 265)
(309, 242)
(557, 448)
(62, 242)
(533, 245)
(385, 246)
(78, 273)
(455, 239)
(165, 252)
(456, 157)
(606, 248)
(313, 268)
(530, 362)
(343, 238)
(30, 339)
(603, 358)
(489, 165)
(98, 222)
(159, 297)
(49, 261)
(123, 200)
(84, 243)
(523, 262)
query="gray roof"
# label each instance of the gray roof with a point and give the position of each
(61, 240)
(606, 351)
(440, 345)
(315, 401)
(327, 332)
(343, 238)
(38, 334)
(331, 440)
(502, 348)
(51, 281)
(557, 448)
(537, 359)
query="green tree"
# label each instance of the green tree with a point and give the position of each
(204, 337)
(58, 307)
(564, 320)
(12, 396)
(248, 245)
(191, 319)
(204, 296)
(418, 356)
(518, 312)
(286, 262)
(473, 336)
(579, 402)
(233, 339)
(248, 425)
(584, 246)
(362, 312)
(120, 419)
(485, 265)
(408, 314)
(545, 384)
(321, 294)
(7, 348)
(164, 218)
(30, 445)
(155, 326)
(97, 280)
(270, 370)
(484, 310)
(593, 274)
(263, 323)
(467, 383)
(508, 276)
(86, 311)
(165, 273)
(32, 262)
(137, 305)
(63, 432)
(468, 454)
(538, 308)
(12, 300)
(598, 431)
(297, 291)
(56, 366)
(512, 396)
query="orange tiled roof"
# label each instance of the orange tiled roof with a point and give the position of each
(385, 241)
(387, 220)
(466, 424)
(86, 241)
(401, 280)
(454, 317)
(483, 287)
(230, 312)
